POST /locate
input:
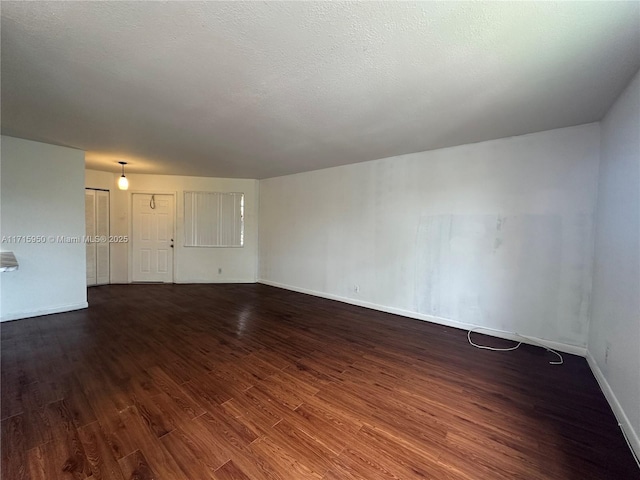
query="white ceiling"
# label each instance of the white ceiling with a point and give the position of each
(261, 89)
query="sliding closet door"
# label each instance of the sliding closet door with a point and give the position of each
(96, 205)
(102, 231)
(90, 231)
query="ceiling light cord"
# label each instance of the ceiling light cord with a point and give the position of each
(123, 183)
(509, 349)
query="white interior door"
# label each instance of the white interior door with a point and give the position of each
(90, 231)
(102, 232)
(152, 238)
(96, 214)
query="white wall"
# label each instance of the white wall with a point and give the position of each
(193, 265)
(616, 284)
(495, 234)
(42, 194)
(101, 180)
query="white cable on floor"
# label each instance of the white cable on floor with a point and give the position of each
(509, 349)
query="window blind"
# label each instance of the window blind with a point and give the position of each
(213, 219)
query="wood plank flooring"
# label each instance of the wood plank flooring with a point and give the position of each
(253, 382)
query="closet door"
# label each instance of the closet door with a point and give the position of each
(96, 214)
(102, 231)
(90, 231)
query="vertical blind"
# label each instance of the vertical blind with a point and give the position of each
(213, 219)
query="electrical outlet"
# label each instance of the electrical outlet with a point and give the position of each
(356, 288)
(219, 271)
(607, 351)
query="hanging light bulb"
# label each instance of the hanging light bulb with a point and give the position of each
(123, 183)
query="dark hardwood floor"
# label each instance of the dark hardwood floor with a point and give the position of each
(253, 382)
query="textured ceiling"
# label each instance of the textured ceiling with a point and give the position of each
(260, 89)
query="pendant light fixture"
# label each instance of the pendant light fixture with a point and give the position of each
(123, 183)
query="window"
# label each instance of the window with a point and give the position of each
(213, 219)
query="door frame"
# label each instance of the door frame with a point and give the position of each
(175, 229)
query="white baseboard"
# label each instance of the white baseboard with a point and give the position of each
(185, 281)
(222, 280)
(561, 347)
(46, 311)
(623, 420)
